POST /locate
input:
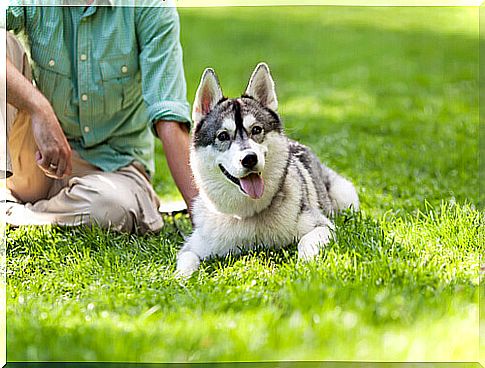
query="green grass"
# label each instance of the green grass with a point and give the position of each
(386, 96)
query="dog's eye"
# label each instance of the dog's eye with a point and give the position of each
(223, 136)
(256, 130)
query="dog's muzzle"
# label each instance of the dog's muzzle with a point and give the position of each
(251, 184)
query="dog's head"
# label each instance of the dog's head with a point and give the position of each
(233, 139)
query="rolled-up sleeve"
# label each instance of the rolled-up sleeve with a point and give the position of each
(15, 18)
(163, 81)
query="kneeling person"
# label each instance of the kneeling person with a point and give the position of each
(80, 144)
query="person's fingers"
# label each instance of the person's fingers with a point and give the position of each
(61, 167)
(49, 161)
(64, 164)
(39, 159)
(54, 156)
(43, 160)
(68, 169)
(53, 163)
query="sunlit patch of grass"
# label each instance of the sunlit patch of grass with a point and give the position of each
(329, 105)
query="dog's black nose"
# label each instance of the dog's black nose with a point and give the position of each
(250, 160)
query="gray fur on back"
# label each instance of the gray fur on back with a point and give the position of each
(319, 173)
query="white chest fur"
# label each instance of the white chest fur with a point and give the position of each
(280, 224)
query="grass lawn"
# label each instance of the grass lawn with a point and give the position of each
(386, 96)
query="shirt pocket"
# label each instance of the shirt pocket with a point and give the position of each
(121, 82)
(52, 74)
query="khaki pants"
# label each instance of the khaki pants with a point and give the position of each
(123, 200)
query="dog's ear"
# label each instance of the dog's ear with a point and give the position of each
(261, 87)
(207, 96)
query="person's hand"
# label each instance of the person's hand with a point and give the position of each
(54, 154)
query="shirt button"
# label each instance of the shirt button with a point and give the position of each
(84, 97)
(86, 129)
(84, 57)
(52, 62)
(124, 69)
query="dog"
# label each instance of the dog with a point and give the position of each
(256, 186)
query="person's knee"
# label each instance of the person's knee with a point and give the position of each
(106, 205)
(111, 210)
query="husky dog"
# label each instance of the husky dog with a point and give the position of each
(257, 187)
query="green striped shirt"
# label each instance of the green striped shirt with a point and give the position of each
(110, 73)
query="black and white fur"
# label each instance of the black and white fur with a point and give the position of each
(299, 196)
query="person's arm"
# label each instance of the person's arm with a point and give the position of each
(54, 153)
(164, 90)
(175, 141)
(21, 93)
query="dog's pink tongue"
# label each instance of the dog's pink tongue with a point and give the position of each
(253, 185)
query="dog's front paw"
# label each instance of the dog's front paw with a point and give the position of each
(311, 243)
(187, 263)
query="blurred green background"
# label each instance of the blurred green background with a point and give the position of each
(388, 97)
